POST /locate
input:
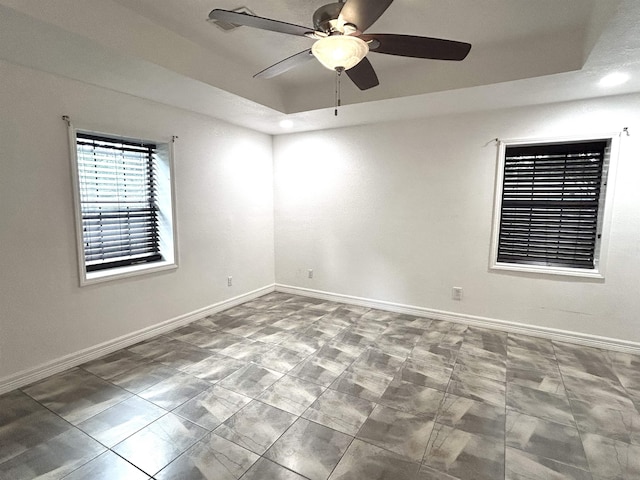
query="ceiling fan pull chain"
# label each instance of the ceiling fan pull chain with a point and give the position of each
(339, 71)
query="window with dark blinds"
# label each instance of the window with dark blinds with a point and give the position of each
(550, 204)
(117, 181)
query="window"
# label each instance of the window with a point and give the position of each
(123, 206)
(550, 211)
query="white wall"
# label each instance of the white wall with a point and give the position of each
(402, 211)
(224, 184)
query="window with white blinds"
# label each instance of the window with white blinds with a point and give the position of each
(551, 204)
(118, 202)
(124, 201)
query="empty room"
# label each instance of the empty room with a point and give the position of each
(288, 240)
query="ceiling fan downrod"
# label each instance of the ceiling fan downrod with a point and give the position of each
(339, 71)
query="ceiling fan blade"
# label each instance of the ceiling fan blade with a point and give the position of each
(363, 75)
(418, 47)
(286, 64)
(239, 18)
(363, 13)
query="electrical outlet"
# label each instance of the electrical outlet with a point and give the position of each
(229, 281)
(310, 273)
(456, 293)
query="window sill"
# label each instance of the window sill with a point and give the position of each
(539, 269)
(92, 278)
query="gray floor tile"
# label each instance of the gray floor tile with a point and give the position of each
(291, 394)
(612, 459)
(531, 360)
(251, 380)
(303, 344)
(544, 381)
(174, 391)
(425, 374)
(621, 425)
(533, 344)
(16, 405)
(114, 364)
(325, 331)
(484, 336)
(24, 424)
(627, 368)
(212, 458)
(472, 416)
(144, 376)
(309, 449)
(339, 411)
(521, 465)
(380, 362)
(340, 352)
(270, 334)
(212, 407)
(122, 420)
(584, 362)
(497, 385)
(403, 433)
(452, 340)
(246, 351)
(214, 368)
(219, 341)
(362, 382)
(108, 466)
(318, 370)
(355, 337)
(76, 395)
(412, 398)
(182, 355)
(494, 353)
(248, 327)
(256, 427)
(478, 388)
(478, 366)
(465, 455)
(154, 347)
(265, 469)
(193, 333)
(598, 391)
(399, 347)
(158, 444)
(545, 439)
(428, 473)
(280, 359)
(549, 406)
(54, 458)
(434, 354)
(363, 460)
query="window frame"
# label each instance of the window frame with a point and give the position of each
(605, 210)
(167, 226)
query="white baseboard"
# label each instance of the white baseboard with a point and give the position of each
(484, 322)
(58, 365)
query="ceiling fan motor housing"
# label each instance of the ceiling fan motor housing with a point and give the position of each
(325, 18)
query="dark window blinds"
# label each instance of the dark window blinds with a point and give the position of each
(118, 201)
(550, 203)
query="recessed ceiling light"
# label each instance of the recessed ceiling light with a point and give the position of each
(286, 123)
(613, 79)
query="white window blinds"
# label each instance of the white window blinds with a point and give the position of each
(117, 180)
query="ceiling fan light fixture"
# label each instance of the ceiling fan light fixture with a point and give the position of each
(340, 51)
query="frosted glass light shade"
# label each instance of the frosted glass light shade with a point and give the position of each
(340, 51)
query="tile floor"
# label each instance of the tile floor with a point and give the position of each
(287, 387)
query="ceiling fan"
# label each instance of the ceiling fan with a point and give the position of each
(341, 43)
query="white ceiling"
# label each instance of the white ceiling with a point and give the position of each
(524, 52)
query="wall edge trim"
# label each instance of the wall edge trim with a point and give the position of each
(39, 372)
(578, 338)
